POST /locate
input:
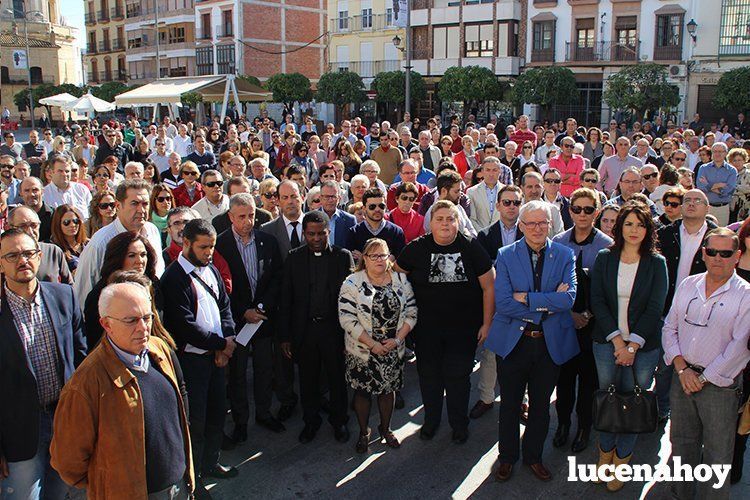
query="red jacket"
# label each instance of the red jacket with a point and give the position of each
(182, 198)
(459, 160)
(521, 136)
(173, 251)
(391, 195)
(411, 223)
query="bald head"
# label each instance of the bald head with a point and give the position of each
(26, 219)
(31, 193)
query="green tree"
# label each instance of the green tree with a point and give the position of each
(289, 88)
(470, 85)
(21, 99)
(108, 91)
(70, 88)
(546, 87)
(191, 99)
(250, 79)
(341, 88)
(391, 87)
(641, 88)
(733, 90)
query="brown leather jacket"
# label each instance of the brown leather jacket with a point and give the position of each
(99, 441)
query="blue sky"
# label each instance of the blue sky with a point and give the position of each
(72, 11)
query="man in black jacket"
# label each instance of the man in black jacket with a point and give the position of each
(110, 148)
(40, 346)
(255, 263)
(197, 312)
(308, 323)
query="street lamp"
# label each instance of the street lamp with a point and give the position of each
(36, 14)
(692, 26)
(407, 53)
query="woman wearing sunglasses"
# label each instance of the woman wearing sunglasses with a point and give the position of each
(102, 211)
(628, 292)
(190, 191)
(69, 233)
(404, 215)
(269, 196)
(586, 241)
(162, 201)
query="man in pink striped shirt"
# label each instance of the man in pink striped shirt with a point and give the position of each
(523, 133)
(570, 166)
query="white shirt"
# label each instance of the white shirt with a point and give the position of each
(692, 159)
(464, 224)
(207, 315)
(161, 161)
(689, 244)
(288, 225)
(208, 210)
(171, 130)
(183, 145)
(625, 279)
(47, 146)
(77, 195)
(167, 140)
(90, 262)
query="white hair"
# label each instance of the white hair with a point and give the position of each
(360, 177)
(136, 164)
(369, 163)
(722, 145)
(578, 148)
(535, 205)
(512, 143)
(260, 160)
(118, 290)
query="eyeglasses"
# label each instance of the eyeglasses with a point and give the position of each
(134, 320)
(377, 256)
(373, 206)
(410, 199)
(536, 225)
(577, 209)
(593, 181)
(515, 203)
(552, 181)
(270, 195)
(13, 257)
(159, 143)
(678, 159)
(527, 147)
(6, 166)
(695, 323)
(163, 199)
(568, 146)
(214, 184)
(28, 225)
(650, 176)
(672, 204)
(724, 254)
(106, 206)
(694, 201)
(68, 222)
(316, 200)
(190, 173)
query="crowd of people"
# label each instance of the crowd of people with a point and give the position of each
(145, 266)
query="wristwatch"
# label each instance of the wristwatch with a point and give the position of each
(631, 349)
(702, 379)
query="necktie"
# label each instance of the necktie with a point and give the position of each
(294, 239)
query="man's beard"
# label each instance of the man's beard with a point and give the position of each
(194, 260)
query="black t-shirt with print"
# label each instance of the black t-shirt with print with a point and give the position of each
(445, 282)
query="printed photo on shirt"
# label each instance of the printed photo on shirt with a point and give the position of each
(447, 268)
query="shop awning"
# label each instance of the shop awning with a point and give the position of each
(211, 87)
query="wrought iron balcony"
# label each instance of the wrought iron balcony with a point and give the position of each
(602, 52)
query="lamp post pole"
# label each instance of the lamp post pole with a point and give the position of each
(28, 66)
(156, 28)
(407, 76)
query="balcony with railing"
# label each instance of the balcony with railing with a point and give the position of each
(543, 55)
(91, 48)
(366, 69)
(602, 52)
(117, 13)
(118, 44)
(90, 18)
(355, 24)
(104, 46)
(668, 53)
(102, 16)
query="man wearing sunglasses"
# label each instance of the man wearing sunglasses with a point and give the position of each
(374, 225)
(110, 147)
(553, 181)
(705, 338)
(41, 345)
(215, 202)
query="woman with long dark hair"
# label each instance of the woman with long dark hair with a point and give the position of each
(102, 211)
(69, 233)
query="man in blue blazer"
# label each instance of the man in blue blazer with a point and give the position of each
(40, 347)
(532, 334)
(340, 220)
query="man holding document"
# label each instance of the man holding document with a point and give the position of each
(254, 263)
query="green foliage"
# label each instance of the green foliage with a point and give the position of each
(71, 89)
(391, 87)
(641, 88)
(733, 90)
(290, 88)
(250, 79)
(469, 84)
(108, 91)
(21, 99)
(341, 88)
(545, 86)
(191, 99)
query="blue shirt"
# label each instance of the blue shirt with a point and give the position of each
(138, 362)
(423, 177)
(587, 249)
(332, 226)
(14, 192)
(491, 197)
(709, 174)
(508, 234)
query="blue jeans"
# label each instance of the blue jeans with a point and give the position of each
(663, 384)
(644, 366)
(35, 478)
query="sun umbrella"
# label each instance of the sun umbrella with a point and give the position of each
(89, 104)
(58, 100)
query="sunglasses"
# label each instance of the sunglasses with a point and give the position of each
(552, 181)
(672, 204)
(577, 210)
(650, 176)
(214, 184)
(407, 198)
(568, 146)
(191, 173)
(678, 159)
(373, 206)
(515, 203)
(106, 206)
(270, 195)
(724, 254)
(316, 200)
(68, 222)
(163, 199)
(593, 181)
(527, 147)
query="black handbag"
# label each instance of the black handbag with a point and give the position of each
(625, 413)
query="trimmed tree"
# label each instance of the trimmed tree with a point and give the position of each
(641, 88)
(108, 91)
(250, 79)
(470, 85)
(289, 88)
(733, 90)
(391, 87)
(341, 88)
(546, 87)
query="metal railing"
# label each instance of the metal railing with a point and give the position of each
(90, 18)
(668, 53)
(118, 44)
(602, 52)
(116, 12)
(102, 15)
(353, 24)
(366, 69)
(543, 55)
(91, 48)
(104, 46)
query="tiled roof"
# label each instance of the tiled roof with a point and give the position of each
(12, 40)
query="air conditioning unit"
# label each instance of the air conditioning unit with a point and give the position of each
(677, 70)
